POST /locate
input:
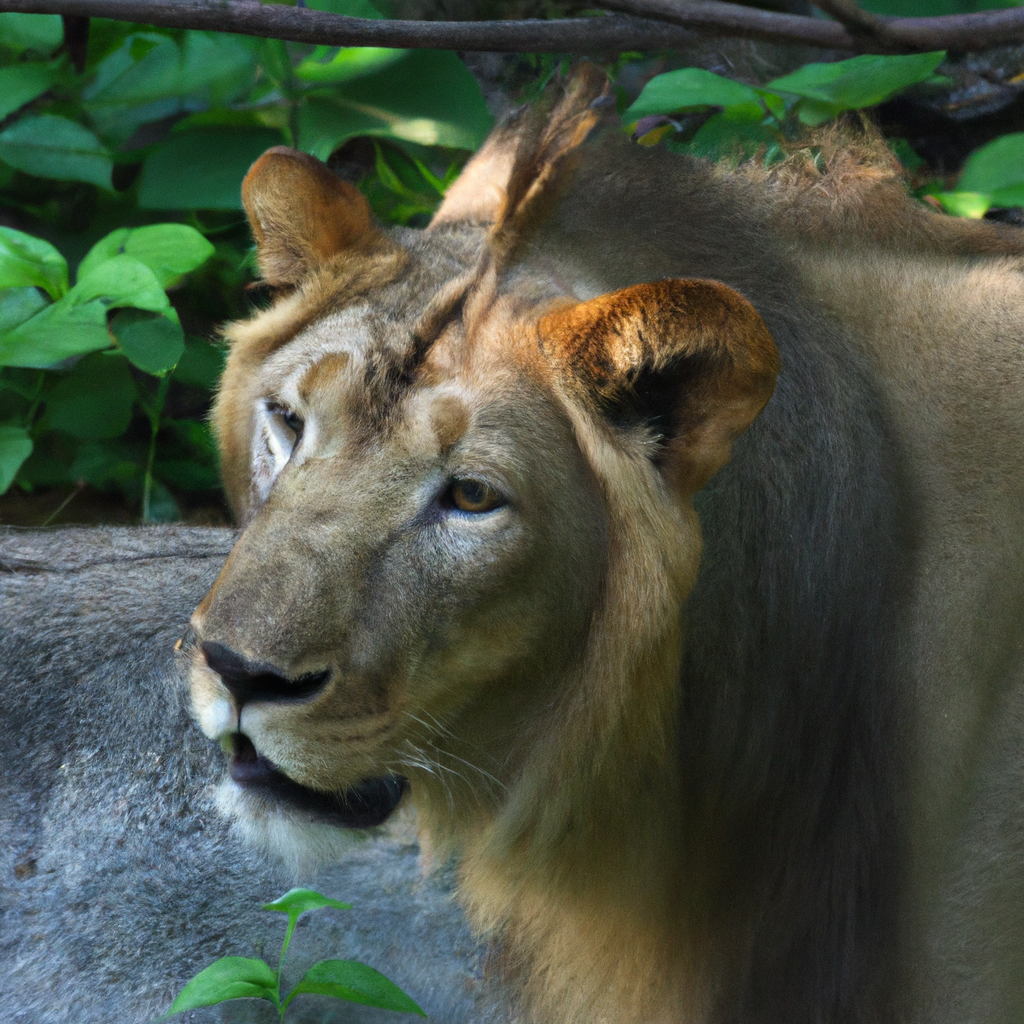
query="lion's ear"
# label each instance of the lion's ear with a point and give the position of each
(692, 358)
(522, 157)
(301, 214)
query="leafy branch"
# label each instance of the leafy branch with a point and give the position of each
(641, 25)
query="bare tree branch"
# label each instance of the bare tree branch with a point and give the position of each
(644, 25)
(727, 19)
(949, 32)
(304, 25)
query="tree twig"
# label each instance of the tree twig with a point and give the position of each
(305, 25)
(960, 32)
(643, 25)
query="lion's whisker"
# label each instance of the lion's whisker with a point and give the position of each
(439, 727)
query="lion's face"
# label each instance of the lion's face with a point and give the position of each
(466, 498)
(406, 554)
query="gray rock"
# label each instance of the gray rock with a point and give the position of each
(118, 880)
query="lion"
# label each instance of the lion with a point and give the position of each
(656, 528)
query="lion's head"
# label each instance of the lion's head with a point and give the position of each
(465, 494)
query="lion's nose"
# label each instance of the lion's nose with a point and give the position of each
(249, 681)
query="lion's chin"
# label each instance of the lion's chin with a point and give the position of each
(299, 824)
(363, 806)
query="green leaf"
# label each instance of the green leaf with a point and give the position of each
(216, 68)
(356, 982)
(169, 250)
(855, 83)
(49, 146)
(17, 305)
(230, 977)
(162, 508)
(265, 117)
(121, 281)
(103, 463)
(15, 448)
(148, 66)
(930, 8)
(202, 169)
(905, 153)
(298, 901)
(346, 64)
(329, 64)
(143, 68)
(27, 260)
(965, 204)
(198, 436)
(77, 323)
(188, 475)
(40, 32)
(275, 60)
(732, 133)
(149, 76)
(59, 330)
(351, 8)
(201, 365)
(687, 89)
(94, 400)
(428, 97)
(24, 82)
(815, 112)
(26, 383)
(997, 170)
(153, 343)
(324, 125)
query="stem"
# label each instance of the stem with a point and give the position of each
(292, 921)
(79, 487)
(30, 416)
(153, 412)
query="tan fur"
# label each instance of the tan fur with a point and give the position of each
(749, 790)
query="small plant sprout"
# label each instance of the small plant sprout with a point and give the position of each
(239, 977)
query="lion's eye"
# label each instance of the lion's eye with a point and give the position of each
(474, 496)
(291, 419)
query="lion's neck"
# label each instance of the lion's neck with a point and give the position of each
(583, 860)
(593, 887)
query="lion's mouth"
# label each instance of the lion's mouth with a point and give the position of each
(368, 804)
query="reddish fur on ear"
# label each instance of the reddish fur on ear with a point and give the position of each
(695, 354)
(301, 214)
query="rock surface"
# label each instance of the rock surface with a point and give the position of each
(118, 881)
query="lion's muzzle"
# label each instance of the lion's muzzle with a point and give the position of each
(364, 805)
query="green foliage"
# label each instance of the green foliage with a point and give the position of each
(823, 91)
(239, 977)
(992, 176)
(39, 33)
(50, 146)
(128, 248)
(933, 8)
(761, 118)
(106, 368)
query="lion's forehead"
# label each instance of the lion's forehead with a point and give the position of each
(340, 339)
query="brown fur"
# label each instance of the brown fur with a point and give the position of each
(723, 726)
